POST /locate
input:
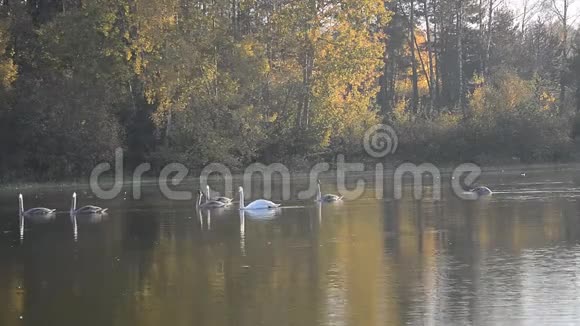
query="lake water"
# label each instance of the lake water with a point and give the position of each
(512, 259)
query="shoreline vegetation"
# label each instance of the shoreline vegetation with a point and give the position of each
(295, 82)
(107, 181)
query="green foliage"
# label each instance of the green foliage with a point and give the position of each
(63, 119)
(239, 81)
(509, 118)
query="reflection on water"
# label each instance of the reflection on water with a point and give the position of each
(511, 259)
(22, 223)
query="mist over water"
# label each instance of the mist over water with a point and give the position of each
(512, 259)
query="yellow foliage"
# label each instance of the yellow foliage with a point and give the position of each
(349, 59)
(401, 111)
(477, 101)
(505, 94)
(8, 70)
(447, 121)
(548, 101)
(404, 84)
(512, 91)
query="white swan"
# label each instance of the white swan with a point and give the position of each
(208, 203)
(89, 209)
(326, 198)
(256, 204)
(38, 211)
(224, 200)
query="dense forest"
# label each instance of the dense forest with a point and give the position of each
(294, 81)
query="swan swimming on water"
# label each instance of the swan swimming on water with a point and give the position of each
(256, 204)
(208, 203)
(38, 211)
(326, 198)
(260, 214)
(224, 200)
(89, 209)
(482, 191)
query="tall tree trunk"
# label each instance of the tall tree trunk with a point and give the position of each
(423, 67)
(430, 51)
(414, 78)
(309, 68)
(524, 16)
(564, 55)
(215, 53)
(436, 40)
(384, 81)
(562, 16)
(235, 19)
(481, 13)
(489, 34)
(168, 127)
(307, 62)
(460, 57)
(269, 53)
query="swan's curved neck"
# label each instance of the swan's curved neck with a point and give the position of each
(242, 205)
(198, 201)
(21, 205)
(73, 206)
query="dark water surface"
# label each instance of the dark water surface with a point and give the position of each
(513, 259)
